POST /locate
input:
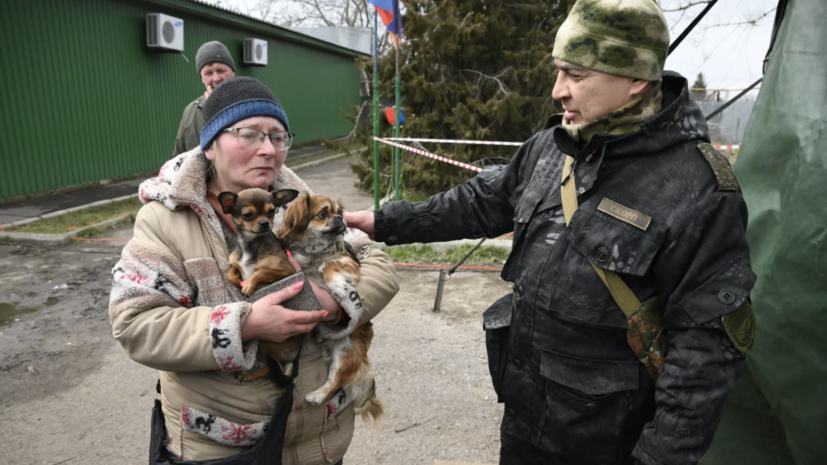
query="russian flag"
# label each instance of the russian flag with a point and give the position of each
(388, 10)
(391, 120)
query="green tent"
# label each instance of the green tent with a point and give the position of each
(777, 414)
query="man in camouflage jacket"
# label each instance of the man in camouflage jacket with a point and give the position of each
(215, 65)
(657, 205)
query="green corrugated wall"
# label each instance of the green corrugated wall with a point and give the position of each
(83, 99)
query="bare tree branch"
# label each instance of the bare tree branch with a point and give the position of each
(685, 6)
(680, 10)
(747, 22)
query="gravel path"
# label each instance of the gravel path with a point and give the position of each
(69, 395)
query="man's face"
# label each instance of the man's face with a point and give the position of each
(214, 74)
(587, 94)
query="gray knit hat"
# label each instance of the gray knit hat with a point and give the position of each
(622, 37)
(213, 52)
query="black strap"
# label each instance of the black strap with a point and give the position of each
(266, 451)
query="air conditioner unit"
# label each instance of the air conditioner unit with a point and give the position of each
(164, 32)
(255, 52)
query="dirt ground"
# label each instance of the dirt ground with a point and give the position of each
(69, 395)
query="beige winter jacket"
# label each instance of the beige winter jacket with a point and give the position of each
(172, 309)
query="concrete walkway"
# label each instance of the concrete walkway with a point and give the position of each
(335, 179)
(32, 208)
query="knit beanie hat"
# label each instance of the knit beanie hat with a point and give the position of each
(213, 52)
(236, 99)
(622, 37)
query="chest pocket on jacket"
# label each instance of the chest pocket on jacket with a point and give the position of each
(522, 215)
(608, 244)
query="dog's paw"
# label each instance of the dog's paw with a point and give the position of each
(248, 288)
(315, 397)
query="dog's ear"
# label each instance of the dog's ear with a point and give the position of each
(227, 201)
(294, 218)
(284, 196)
(309, 218)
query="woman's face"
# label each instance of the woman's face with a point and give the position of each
(237, 167)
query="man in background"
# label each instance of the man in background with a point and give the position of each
(215, 65)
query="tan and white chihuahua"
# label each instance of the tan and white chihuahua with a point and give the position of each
(313, 231)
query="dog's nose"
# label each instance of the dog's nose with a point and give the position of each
(263, 224)
(337, 218)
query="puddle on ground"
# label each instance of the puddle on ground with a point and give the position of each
(8, 312)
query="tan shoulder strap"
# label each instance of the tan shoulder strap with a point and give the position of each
(625, 298)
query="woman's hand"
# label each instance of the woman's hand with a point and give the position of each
(269, 321)
(329, 304)
(361, 220)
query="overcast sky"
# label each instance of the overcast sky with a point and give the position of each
(729, 56)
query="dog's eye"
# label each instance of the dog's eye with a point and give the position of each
(248, 216)
(271, 213)
(323, 214)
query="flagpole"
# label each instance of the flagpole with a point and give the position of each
(375, 112)
(396, 107)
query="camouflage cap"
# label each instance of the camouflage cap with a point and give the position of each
(622, 37)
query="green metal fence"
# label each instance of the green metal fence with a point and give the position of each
(83, 99)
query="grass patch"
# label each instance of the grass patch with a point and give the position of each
(82, 218)
(290, 163)
(426, 254)
(415, 198)
(89, 233)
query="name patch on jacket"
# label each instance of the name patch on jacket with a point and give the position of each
(625, 214)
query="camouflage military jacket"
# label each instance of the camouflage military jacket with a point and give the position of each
(570, 382)
(189, 130)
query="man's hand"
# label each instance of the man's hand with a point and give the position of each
(269, 321)
(360, 220)
(208, 92)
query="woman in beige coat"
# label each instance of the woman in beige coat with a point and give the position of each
(172, 308)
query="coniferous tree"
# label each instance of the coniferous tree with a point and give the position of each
(478, 70)
(700, 83)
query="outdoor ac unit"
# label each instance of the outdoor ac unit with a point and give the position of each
(255, 52)
(164, 32)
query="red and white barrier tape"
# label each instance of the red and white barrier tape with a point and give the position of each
(448, 141)
(389, 141)
(513, 144)
(429, 154)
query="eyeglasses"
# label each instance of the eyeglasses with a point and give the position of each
(252, 138)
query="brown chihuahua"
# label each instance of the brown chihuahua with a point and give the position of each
(260, 259)
(313, 230)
